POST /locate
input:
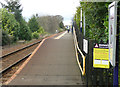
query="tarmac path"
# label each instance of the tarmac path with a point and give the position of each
(54, 63)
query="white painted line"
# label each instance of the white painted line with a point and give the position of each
(60, 35)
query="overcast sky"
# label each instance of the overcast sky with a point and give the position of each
(65, 8)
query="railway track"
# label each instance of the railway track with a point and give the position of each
(15, 63)
(20, 49)
(13, 59)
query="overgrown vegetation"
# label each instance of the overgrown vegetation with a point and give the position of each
(9, 24)
(5, 38)
(96, 14)
(13, 24)
(15, 27)
(35, 35)
(14, 7)
(41, 30)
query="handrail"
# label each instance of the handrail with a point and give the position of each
(77, 48)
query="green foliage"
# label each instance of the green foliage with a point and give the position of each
(14, 7)
(60, 29)
(106, 24)
(41, 30)
(35, 35)
(5, 38)
(33, 24)
(61, 25)
(96, 14)
(0, 19)
(12, 27)
(9, 23)
(78, 16)
(25, 32)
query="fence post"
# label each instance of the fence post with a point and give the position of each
(101, 71)
(94, 77)
(90, 61)
(106, 77)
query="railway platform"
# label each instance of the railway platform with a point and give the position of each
(53, 63)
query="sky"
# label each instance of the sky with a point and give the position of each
(65, 8)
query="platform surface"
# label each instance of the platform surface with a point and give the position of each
(53, 64)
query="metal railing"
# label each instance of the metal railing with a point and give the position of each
(90, 75)
(77, 49)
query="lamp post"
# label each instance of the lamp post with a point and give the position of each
(81, 20)
(84, 23)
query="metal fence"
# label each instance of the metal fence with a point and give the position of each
(91, 76)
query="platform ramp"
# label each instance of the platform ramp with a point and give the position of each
(54, 63)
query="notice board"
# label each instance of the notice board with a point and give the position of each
(100, 58)
(112, 32)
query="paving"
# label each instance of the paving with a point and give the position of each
(54, 63)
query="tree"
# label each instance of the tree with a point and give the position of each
(10, 27)
(13, 23)
(50, 23)
(59, 18)
(14, 7)
(33, 24)
(9, 24)
(25, 32)
(61, 25)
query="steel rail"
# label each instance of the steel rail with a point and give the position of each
(15, 63)
(19, 49)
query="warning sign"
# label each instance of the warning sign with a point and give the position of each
(100, 58)
(96, 45)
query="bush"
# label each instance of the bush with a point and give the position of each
(60, 30)
(5, 38)
(41, 30)
(35, 35)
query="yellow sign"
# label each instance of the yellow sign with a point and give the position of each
(100, 58)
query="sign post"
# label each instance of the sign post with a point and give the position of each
(112, 40)
(112, 32)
